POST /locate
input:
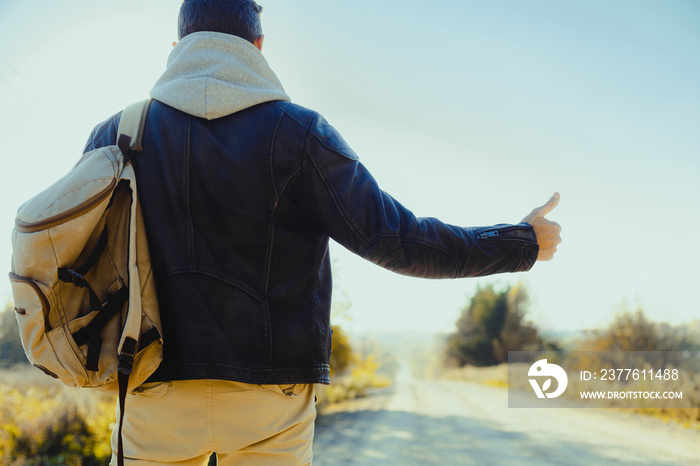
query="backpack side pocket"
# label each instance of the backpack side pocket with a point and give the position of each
(34, 302)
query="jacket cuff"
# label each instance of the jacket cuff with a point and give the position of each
(516, 244)
(530, 249)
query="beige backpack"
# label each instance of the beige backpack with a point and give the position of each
(81, 276)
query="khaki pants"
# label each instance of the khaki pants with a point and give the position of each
(183, 422)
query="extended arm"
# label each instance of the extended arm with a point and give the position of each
(346, 202)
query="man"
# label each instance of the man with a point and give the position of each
(240, 191)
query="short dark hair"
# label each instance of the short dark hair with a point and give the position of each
(237, 17)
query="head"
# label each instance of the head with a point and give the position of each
(236, 17)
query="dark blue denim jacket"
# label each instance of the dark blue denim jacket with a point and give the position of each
(239, 211)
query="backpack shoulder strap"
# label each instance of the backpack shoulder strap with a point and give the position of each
(130, 131)
(129, 139)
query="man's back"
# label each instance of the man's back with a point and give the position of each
(241, 191)
(239, 211)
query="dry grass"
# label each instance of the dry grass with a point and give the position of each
(496, 376)
(43, 422)
(353, 384)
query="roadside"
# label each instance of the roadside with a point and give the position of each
(462, 423)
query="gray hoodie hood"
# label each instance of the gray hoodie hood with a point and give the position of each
(211, 75)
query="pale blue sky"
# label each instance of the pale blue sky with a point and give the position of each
(470, 111)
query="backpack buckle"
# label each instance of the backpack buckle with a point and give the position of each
(126, 357)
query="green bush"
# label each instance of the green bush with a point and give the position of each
(492, 324)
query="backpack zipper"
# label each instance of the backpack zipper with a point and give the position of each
(75, 212)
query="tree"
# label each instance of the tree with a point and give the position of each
(516, 334)
(492, 324)
(631, 333)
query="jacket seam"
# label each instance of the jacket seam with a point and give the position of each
(445, 252)
(271, 154)
(271, 231)
(286, 112)
(188, 211)
(306, 127)
(234, 283)
(343, 212)
(331, 148)
(318, 314)
(271, 240)
(250, 367)
(286, 182)
(308, 132)
(288, 179)
(341, 209)
(522, 257)
(405, 241)
(302, 162)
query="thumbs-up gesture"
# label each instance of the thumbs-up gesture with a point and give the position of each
(547, 231)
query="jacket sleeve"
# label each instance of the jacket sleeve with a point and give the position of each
(104, 134)
(346, 202)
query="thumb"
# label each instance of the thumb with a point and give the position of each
(540, 212)
(548, 206)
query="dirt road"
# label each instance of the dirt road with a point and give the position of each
(456, 423)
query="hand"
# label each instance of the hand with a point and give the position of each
(547, 232)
